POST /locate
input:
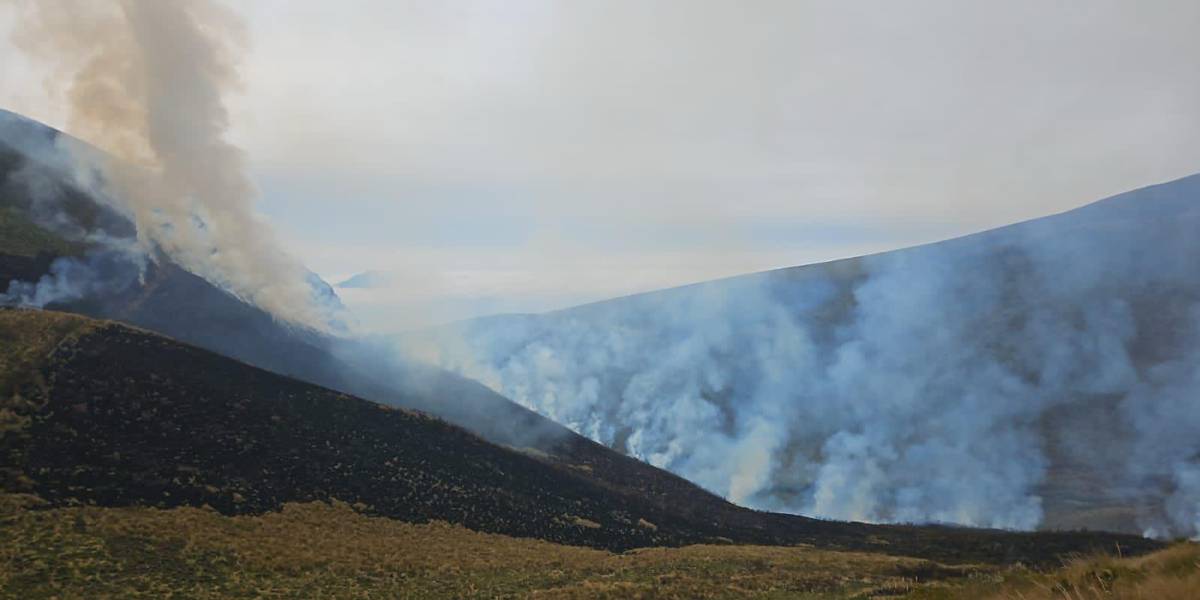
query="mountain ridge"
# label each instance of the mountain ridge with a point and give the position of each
(167, 299)
(171, 301)
(1109, 284)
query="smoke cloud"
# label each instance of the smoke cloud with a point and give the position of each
(100, 273)
(977, 381)
(145, 81)
(941, 383)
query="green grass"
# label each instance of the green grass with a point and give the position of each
(21, 237)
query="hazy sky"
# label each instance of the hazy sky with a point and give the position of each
(524, 154)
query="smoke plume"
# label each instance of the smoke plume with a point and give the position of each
(100, 273)
(145, 80)
(978, 381)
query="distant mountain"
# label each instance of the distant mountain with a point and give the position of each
(101, 413)
(1043, 374)
(366, 280)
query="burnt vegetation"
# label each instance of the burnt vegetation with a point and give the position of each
(100, 413)
(100, 421)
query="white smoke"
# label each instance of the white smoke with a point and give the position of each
(145, 81)
(913, 386)
(100, 273)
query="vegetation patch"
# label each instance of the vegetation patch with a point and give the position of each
(1170, 574)
(27, 338)
(21, 237)
(331, 550)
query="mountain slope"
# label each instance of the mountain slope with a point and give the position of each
(100, 413)
(49, 216)
(319, 550)
(38, 184)
(716, 339)
(1041, 374)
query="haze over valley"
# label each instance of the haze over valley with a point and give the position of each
(597, 299)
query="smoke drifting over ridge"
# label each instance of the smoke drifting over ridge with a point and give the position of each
(912, 386)
(146, 85)
(954, 382)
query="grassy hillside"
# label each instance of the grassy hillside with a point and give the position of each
(330, 550)
(325, 550)
(28, 338)
(26, 250)
(19, 237)
(1171, 574)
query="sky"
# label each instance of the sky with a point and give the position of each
(523, 155)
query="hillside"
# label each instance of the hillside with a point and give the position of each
(116, 416)
(171, 301)
(47, 218)
(1036, 375)
(100, 413)
(315, 549)
(47, 209)
(50, 216)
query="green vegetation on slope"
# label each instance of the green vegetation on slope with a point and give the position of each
(21, 237)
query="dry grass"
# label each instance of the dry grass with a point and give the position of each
(319, 550)
(27, 337)
(25, 343)
(1170, 574)
(332, 551)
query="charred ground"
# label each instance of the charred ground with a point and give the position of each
(100, 413)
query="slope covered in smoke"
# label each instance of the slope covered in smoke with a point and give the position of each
(146, 82)
(1041, 374)
(79, 264)
(101, 413)
(70, 245)
(78, 250)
